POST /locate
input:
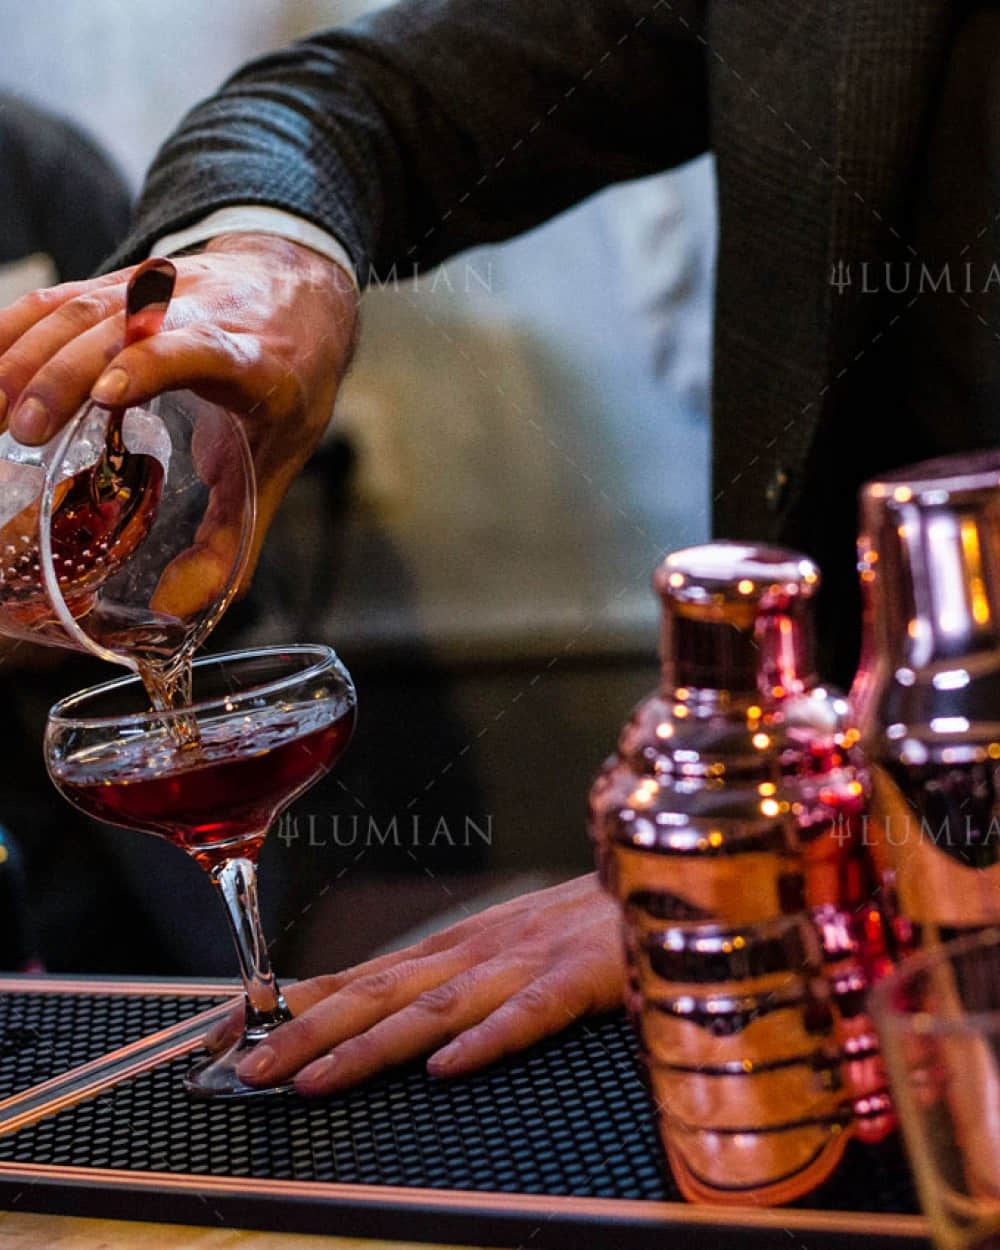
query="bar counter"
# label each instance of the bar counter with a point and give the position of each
(20, 1231)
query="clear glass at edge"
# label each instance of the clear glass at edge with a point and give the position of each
(938, 1017)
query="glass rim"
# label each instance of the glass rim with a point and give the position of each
(326, 658)
(922, 1023)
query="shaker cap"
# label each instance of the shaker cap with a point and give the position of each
(971, 471)
(736, 618)
(720, 574)
(929, 566)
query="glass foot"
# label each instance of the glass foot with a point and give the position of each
(215, 1076)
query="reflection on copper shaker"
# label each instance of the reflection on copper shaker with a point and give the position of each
(927, 694)
(727, 825)
(927, 704)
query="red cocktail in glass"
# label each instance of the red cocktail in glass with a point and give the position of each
(211, 777)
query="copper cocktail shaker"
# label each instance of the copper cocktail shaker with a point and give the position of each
(927, 694)
(727, 825)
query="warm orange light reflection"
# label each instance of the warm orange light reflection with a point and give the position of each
(980, 605)
(646, 791)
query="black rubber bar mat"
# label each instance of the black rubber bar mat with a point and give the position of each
(44, 1032)
(553, 1148)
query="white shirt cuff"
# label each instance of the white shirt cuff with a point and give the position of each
(259, 219)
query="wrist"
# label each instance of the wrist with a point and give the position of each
(325, 275)
(292, 252)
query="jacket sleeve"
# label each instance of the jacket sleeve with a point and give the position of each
(435, 125)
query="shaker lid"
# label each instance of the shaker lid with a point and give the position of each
(927, 556)
(720, 574)
(971, 471)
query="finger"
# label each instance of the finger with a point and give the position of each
(305, 994)
(357, 1007)
(589, 977)
(225, 366)
(49, 371)
(549, 1004)
(435, 1016)
(201, 576)
(198, 579)
(298, 997)
(226, 1030)
(19, 317)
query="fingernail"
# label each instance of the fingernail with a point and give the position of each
(110, 387)
(315, 1074)
(30, 422)
(257, 1064)
(217, 1034)
(445, 1060)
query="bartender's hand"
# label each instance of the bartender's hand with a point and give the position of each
(488, 986)
(258, 324)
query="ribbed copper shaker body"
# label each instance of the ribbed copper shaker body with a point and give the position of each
(927, 695)
(727, 826)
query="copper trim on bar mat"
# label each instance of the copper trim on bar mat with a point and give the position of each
(553, 1148)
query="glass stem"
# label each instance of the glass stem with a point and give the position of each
(266, 1008)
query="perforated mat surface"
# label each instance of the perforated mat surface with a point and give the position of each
(43, 1035)
(569, 1117)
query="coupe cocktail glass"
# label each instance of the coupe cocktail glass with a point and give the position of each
(267, 724)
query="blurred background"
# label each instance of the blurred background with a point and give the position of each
(523, 436)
